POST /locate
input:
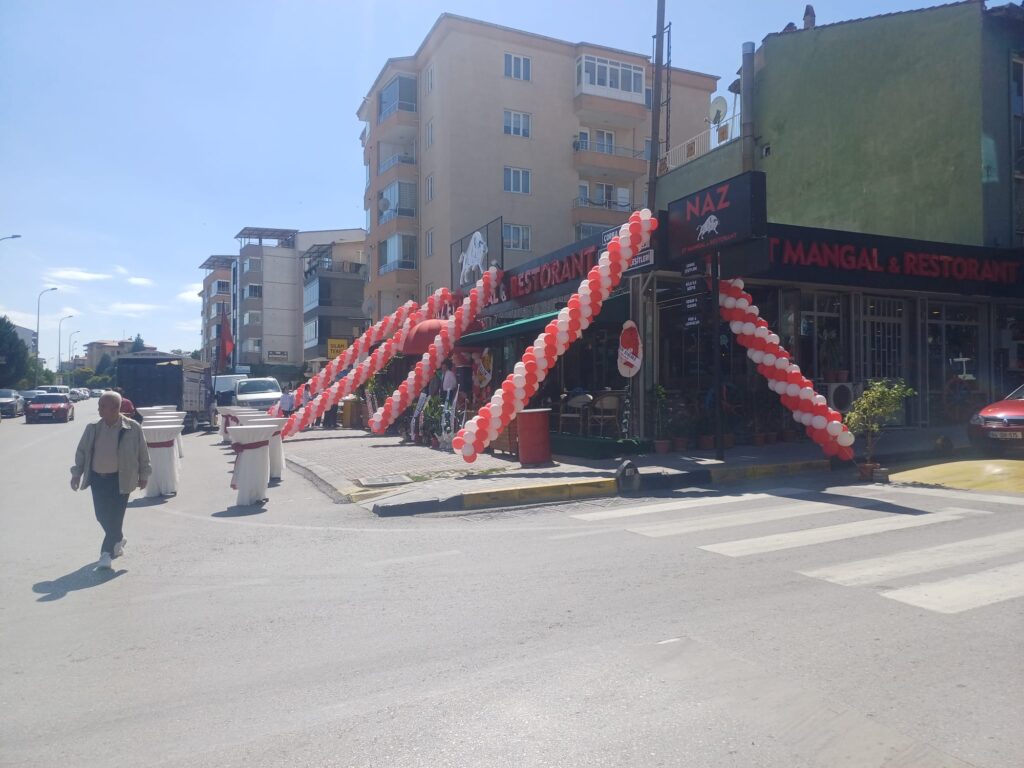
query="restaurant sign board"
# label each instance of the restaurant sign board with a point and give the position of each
(717, 217)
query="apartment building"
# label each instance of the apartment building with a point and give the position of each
(334, 274)
(216, 303)
(95, 350)
(484, 121)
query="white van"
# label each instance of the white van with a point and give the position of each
(56, 389)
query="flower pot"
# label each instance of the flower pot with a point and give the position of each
(842, 376)
(867, 471)
(680, 444)
(880, 475)
(662, 446)
(706, 442)
(789, 435)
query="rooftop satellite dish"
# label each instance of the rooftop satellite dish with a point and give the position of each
(383, 204)
(718, 110)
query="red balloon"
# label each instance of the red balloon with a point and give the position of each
(458, 442)
(794, 377)
(834, 415)
(845, 452)
(654, 223)
(831, 448)
(469, 459)
(478, 445)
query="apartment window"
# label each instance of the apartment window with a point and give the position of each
(584, 192)
(399, 93)
(604, 141)
(252, 265)
(516, 236)
(252, 318)
(430, 243)
(252, 345)
(430, 133)
(396, 199)
(517, 124)
(397, 252)
(429, 289)
(585, 230)
(430, 78)
(254, 291)
(517, 180)
(608, 73)
(223, 286)
(517, 67)
(583, 139)
(430, 187)
(310, 333)
(311, 295)
(603, 193)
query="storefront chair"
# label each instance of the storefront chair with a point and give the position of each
(573, 410)
(605, 413)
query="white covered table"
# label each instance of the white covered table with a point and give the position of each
(163, 457)
(276, 446)
(252, 462)
(229, 417)
(164, 418)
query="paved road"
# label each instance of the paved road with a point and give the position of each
(782, 626)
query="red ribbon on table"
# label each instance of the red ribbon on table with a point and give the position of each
(164, 444)
(230, 417)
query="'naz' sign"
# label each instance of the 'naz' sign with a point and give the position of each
(718, 216)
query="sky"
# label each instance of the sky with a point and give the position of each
(137, 138)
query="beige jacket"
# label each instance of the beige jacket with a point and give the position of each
(132, 456)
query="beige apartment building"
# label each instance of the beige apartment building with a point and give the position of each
(216, 303)
(484, 121)
(95, 350)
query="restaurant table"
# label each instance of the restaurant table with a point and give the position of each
(276, 445)
(163, 458)
(229, 418)
(252, 462)
(162, 418)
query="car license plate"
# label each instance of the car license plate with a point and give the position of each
(1006, 435)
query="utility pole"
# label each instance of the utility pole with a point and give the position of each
(659, 55)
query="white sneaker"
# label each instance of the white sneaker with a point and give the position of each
(119, 547)
(104, 563)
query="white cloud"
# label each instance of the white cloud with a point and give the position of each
(190, 294)
(73, 273)
(121, 270)
(141, 281)
(189, 326)
(129, 310)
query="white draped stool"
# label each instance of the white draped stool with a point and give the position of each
(163, 457)
(164, 417)
(229, 418)
(252, 462)
(276, 445)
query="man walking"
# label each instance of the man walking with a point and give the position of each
(113, 460)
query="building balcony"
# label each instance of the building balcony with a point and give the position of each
(598, 110)
(600, 161)
(704, 142)
(606, 212)
(397, 126)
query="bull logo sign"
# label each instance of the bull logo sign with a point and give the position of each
(473, 259)
(709, 227)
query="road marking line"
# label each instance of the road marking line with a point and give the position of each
(681, 504)
(734, 519)
(962, 593)
(414, 558)
(670, 640)
(875, 570)
(581, 534)
(956, 495)
(776, 542)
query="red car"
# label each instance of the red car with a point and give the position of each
(50, 407)
(1000, 425)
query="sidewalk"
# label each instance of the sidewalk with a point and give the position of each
(392, 478)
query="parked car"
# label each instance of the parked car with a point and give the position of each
(1000, 425)
(12, 404)
(28, 395)
(50, 407)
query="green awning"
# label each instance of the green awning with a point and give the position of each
(521, 327)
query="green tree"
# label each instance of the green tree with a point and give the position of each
(138, 345)
(80, 376)
(13, 354)
(196, 354)
(103, 366)
(98, 382)
(35, 373)
(881, 402)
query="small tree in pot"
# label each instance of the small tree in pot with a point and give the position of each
(882, 400)
(661, 442)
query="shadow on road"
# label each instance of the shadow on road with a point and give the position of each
(242, 511)
(84, 578)
(150, 501)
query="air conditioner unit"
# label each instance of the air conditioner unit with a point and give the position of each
(841, 395)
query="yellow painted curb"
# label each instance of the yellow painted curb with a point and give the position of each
(755, 471)
(536, 494)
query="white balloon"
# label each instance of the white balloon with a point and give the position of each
(748, 329)
(758, 357)
(468, 449)
(761, 332)
(730, 302)
(834, 428)
(769, 358)
(738, 283)
(773, 338)
(793, 368)
(792, 390)
(819, 422)
(742, 303)
(819, 400)
(736, 327)
(782, 363)
(806, 393)
(585, 322)
(798, 416)
(806, 419)
(520, 367)
(753, 309)
(750, 353)
(845, 439)
(562, 337)
(519, 380)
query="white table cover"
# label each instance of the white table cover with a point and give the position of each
(276, 445)
(252, 462)
(163, 458)
(164, 418)
(229, 418)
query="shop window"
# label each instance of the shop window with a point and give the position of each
(955, 390)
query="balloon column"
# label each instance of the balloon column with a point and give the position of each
(824, 425)
(442, 347)
(538, 360)
(359, 350)
(366, 368)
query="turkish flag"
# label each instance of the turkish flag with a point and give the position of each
(227, 342)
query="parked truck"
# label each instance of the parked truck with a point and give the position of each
(160, 378)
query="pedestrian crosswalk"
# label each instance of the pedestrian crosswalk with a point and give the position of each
(967, 571)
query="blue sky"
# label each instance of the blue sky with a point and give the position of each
(136, 138)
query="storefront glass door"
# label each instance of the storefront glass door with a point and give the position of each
(885, 338)
(954, 334)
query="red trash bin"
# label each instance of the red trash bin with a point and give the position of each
(534, 436)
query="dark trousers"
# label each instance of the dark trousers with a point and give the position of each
(109, 504)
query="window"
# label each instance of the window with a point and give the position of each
(223, 286)
(648, 98)
(310, 333)
(604, 141)
(430, 133)
(430, 187)
(430, 243)
(430, 289)
(647, 149)
(396, 199)
(397, 252)
(252, 265)
(603, 193)
(517, 67)
(252, 318)
(430, 78)
(583, 137)
(254, 291)
(252, 345)
(517, 180)
(399, 93)
(610, 74)
(583, 231)
(517, 124)
(584, 192)
(516, 236)
(311, 295)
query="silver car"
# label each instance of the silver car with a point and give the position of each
(12, 404)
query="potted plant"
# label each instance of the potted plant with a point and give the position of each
(679, 426)
(661, 442)
(432, 421)
(882, 400)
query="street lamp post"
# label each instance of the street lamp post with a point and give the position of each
(70, 337)
(66, 317)
(38, 299)
(10, 237)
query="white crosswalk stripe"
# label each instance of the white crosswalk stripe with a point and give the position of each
(962, 593)
(953, 494)
(684, 504)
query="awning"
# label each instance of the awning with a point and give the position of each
(516, 328)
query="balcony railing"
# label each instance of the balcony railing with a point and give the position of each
(702, 143)
(389, 109)
(392, 213)
(607, 148)
(392, 266)
(394, 160)
(608, 205)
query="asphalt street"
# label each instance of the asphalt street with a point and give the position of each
(784, 625)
